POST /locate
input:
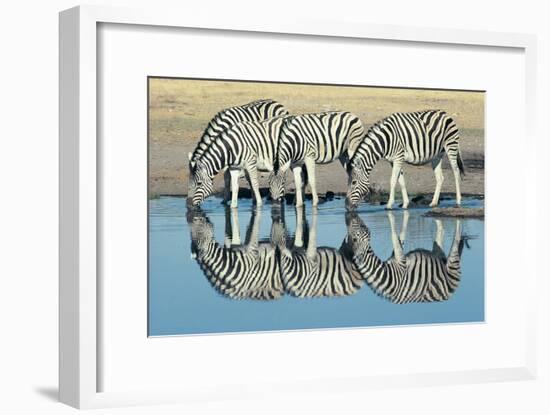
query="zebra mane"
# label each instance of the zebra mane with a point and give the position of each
(215, 118)
(381, 124)
(422, 112)
(287, 119)
(376, 127)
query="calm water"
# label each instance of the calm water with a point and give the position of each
(184, 299)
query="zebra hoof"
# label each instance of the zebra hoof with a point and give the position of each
(433, 204)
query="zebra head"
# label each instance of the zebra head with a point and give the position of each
(277, 186)
(358, 234)
(202, 231)
(358, 185)
(201, 185)
(192, 162)
(191, 184)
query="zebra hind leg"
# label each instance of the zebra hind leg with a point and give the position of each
(396, 171)
(404, 193)
(456, 173)
(438, 172)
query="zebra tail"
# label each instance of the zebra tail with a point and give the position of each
(460, 165)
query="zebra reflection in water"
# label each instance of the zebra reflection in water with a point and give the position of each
(311, 271)
(238, 271)
(268, 269)
(265, 270)
(417, 276)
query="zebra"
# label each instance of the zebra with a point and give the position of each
(414, 138)
(253, 111)
(311, 271)
(248, 146)
(418, 276)
(308, 139)
(236, 271)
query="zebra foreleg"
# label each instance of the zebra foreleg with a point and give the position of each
(234, 187)
(396, 243)
(312, 237)
(253, 230)
(310, 167)
(438, 172)
(297, 170)
(253, 177)
(235, 231)
(396, 170)
(228, 230)
(299, 234)
(404, 227)
(439, 233)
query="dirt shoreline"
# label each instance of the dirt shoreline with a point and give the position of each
(457, 212)
(332, 178)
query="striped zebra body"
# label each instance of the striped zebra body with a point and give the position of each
(314, 271)
(418, 276)
(254, 111)
(259, 110)
(311, 139)
(415, 138)
(247, 146)
(249, 271)
(327, 274)
(241, 273)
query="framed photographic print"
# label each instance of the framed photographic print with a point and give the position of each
(303, 212)
(311, 274)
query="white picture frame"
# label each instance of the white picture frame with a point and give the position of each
(79, 166)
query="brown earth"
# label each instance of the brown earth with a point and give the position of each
(180, 110)
(456, 212)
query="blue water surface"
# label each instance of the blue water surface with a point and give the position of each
(182, 301)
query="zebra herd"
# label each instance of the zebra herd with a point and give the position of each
(270, 269)
(263, 136)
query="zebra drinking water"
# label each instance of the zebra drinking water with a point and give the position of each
(254, 111)
(311, 139)
(248, 146)
(414, 138)
(417, 276)
(237, 271)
